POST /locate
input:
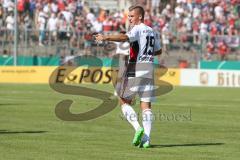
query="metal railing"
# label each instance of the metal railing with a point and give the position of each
(81, 43)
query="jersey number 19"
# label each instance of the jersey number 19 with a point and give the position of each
(149, 45)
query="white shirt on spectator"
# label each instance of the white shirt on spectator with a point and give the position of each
(190, 6)
(10, 22)
(54, 8)
(68, 16)
(46, 9)
(41, 22)
(9, 5)
(165, 34)
(6, 3)
(178, 11)
(203, 28)
(187, 21)
(196, 12)
(62, 24)
(52, 24)
(91, 17)
(218, 10)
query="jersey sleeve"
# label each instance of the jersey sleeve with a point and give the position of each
(133, 34)
(157, 45)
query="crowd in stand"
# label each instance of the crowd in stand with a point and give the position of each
(195, 21)
(213, 22)
(61, 19)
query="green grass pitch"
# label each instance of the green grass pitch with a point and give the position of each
(191, 124)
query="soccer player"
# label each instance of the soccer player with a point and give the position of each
(139, 77)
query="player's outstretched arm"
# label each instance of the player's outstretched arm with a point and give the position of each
(115, 38)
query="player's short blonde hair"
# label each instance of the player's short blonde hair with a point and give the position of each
(139, 9)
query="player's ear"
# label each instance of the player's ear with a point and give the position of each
(140, 18)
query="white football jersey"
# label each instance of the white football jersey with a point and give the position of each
(143, 43)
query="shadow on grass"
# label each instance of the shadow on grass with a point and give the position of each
(20, 132)
(185, 145)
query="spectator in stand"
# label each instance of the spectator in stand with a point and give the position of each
(61, 5)
(196, 31)
(183, 35)
(90, 16)
(210, 50)
(161, 21)
(42, 21)
(179, 11)
(155, 6)
(79, 24)
(62, 27)
(119, 17)
(203, 28)
(167, 11)
(87, 41)
(52, 27)
(72, 6)
(217, 19)
(54, 7)
(80, 5)
(155, 24)
(20, 9)
(148, 18)
(187, 21)
(232, 27)
(166, 38)
(196, 11)
(102, 15)
(67, 14)
(27, 26)
(47, 7)
(8, 6)
(10, 26)
(218, 11)
(223, 49)
(32, 8)
(108, 24)
(115, 25)
(214, 30)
